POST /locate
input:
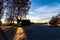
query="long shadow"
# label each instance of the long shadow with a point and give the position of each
(26, 29)
(11, 33)
(2, 35)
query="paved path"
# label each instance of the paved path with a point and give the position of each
(33, 32)
(14, 33)
(43, 32)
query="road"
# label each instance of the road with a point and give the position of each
(32, 32)
(13, 33)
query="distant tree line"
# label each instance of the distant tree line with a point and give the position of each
(55, 20)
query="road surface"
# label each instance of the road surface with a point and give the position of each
(32, 32)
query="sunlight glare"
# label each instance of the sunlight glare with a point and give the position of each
(19, 34)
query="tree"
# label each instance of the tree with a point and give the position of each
(10, 10)
(55, 20)
(16, 9)
(22, 8)
(1, 10)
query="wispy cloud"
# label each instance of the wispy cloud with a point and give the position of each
(48, 9)
(44, 12)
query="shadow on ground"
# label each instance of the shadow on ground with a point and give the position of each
(32, 32)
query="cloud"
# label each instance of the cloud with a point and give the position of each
(48, 9)
(33, 18)
(44, 12)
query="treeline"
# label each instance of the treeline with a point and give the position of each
(14, 9)
(55, 20)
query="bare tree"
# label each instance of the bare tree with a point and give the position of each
(1, 9)
(22, 8)
(16, 9)
(9, 8)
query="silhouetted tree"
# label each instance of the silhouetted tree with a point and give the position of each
(55, 20)
(16, 9)
(10, 10)
(22, 8)
(1, 9)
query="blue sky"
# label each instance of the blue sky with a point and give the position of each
(43, 10)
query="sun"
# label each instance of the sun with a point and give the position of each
(3, 21)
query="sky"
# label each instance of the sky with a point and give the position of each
(43, 10)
